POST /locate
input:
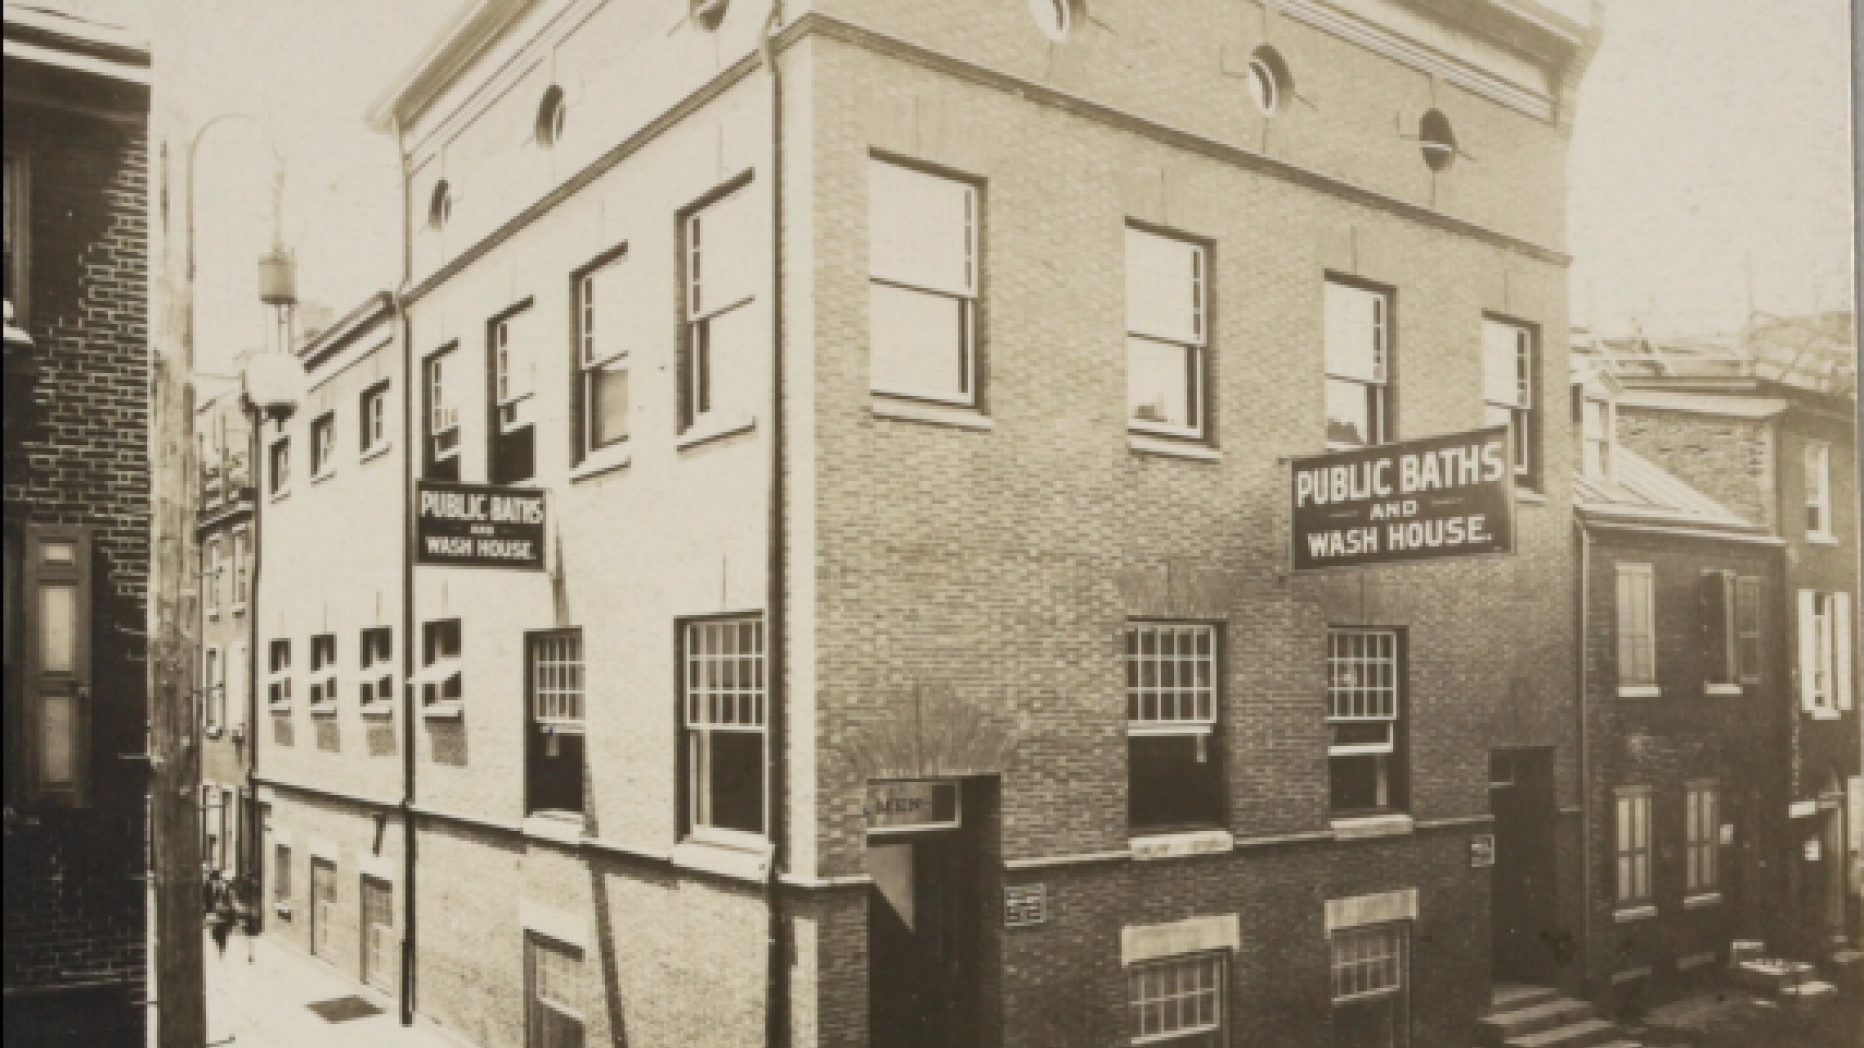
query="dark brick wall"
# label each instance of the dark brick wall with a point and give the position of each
(1731, 460)
(75, 897)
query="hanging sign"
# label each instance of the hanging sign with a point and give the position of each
(479, 526)
(901, 806)
(1448, 496)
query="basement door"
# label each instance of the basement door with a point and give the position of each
(1524, 918)
(923, 938)
(323, 906)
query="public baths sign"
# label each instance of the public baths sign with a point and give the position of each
(1448, 496)
(479, 526)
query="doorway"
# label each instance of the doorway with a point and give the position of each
(1527, 941)
(923, 938)
(323, 906)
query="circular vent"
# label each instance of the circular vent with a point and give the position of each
(1437, 140)
(1270, 84)
(1054, 17)
(550, 117)
(440, 205)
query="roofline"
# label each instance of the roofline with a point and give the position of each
(1593, 517)
(111, 43)
(344, 331)
(466, 36)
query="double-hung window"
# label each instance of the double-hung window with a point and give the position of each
(324, 671)
(376, 685)
(213, 690)
(1747, 629)
(1358, 358)
(323, 444)
(1596, 426)
(601, 356)
(242, 567)
(1175, 777)
(1825, 651)
(1371, 974)
(1508, 393)
(1166, 334)
(719, 350)
(373, 419)
(553, 980)
(210, 578)
(1179, 1001)
(1636, 605)
(278, 675)
(1818, 490)
(1700, 837)
(441, 437)
(723, 718)
(1717, 602)
(922, 284)
(1365, 710)
(441, 683)
(554, 750)
(1631, 847)
(513, 452)
(281, 466)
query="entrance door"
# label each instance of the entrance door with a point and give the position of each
(378, 934)
(1527, 945)
(323, 906)
(922, 940)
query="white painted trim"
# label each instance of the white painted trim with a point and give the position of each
(604, 461)
(1630, 975)
(554, 828)
(1703, 901)
(1639, 691)
(714, 429)
(1634, 913)
(1802, 809)
(738, 863)
(1182, 845)
(1380, 908)
(1372, 826)
(1150, 942)
(884, 406)
(552, 923)
(1146, 444)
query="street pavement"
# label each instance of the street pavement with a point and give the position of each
(261, 994)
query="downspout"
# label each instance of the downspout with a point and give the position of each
(1585, 757)
(777, 990)
(405, 333)
(254, 857)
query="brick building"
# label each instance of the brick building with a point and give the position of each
(76, 526)
(224, 532)
(908, 393)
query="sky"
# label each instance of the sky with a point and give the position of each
(1711, 159)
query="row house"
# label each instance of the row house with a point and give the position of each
(805, 554)
(228, 559)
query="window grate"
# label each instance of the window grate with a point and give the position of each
(725, 674)
(1368, 961)
(557, 679)
(1362, 675)
(1171, 673)
(1183, 995)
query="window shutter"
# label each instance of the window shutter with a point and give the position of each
(1808, 650)
(1717, 608)
(56, 664)
(1842, 640)
(239, 677)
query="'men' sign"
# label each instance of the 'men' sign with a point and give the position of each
(479, 526)
(1450, 496)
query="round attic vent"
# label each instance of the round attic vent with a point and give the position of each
(550, 117)
(440, 205)
(1270, 83)
(1437, 140)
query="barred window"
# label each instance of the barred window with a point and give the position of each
(557, 679)
(1368, 961)
(1178, 1001)
(1171, 675)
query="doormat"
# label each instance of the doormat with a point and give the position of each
(343, 1009)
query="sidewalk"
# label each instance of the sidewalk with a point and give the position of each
(283, 999)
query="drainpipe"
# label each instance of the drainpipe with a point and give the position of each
(253, 827)
(409, 705)
(777, 991)
(1585, 758)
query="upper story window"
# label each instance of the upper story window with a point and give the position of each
(552, 115)
(554, 752)
(1825, 651)
(1166, 334)
(441, 437)
(1730, 624)
(1636, 603)
(1747, 630)
(1597, 431)
(281, 465)
(441, 678)
(376, 652)
(1631, 824)
(373, 414)
(210, 578)
(440, 205)
(1365, 720)
(213, 689)
(723, 721)
(323, 670)
(1358, 352)
(1508, 391)
(1818, 490)
(242, 568)
(1054, 17)
(601, 356)
(278, 675)
(922, 286)
(1175, 778)
(323, 444)
(719, 351)
(1270, 83)
(513, 451)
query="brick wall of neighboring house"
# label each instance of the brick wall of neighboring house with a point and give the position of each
(75, 910)
(1731, 460)
(1667, 741)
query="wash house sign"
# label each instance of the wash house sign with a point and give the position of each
(479, 526)
(1448, 496)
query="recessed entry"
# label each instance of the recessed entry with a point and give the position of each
(1054, 17)
(1437, 140)
(1270, 84)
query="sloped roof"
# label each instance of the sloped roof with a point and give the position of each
(115, 24)
(1642, 492)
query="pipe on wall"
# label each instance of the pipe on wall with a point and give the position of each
(777, 993)
(409, 705)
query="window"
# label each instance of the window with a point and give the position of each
(379, 944)
(1270, 84)
(323, 670)
(724, 724)
(513, 450)
(1179, 1001)
(373, 436)
(323, 906)
(213, 689)
(601, 357)
(719, 351)
(377, 652)
(1165, 334)
(17, 208)
(1632, 848)
(239, 685)
(229, 828)
(707, 14)
(1747, 629)
(1597, 432)
(48, 617)
(1825, 651)
(922, 284)
(1054, 17)
(552, 112)
(1508, 391)
(553, 978)
(1637, 628)
(242, 568)
(1171, 718)
(1818, 491)
(1371, 975)
(554, 752)
(278, 686)
(1437, 140)
(1700, 837)
(281, 465)
(440, 205)
(1719, 641)
(1365, 709)
(440, 663)
(323, 444)
(281, 873)
(210, 829)
(210, 579)
(441, 440)
(1358, 352)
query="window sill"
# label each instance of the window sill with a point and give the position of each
(561, 827)
(934, 414)
(1634, 913)
(239, 609)
(280, 495)
(279, 707)
(1531, 498)
(376, 452)
(319, 478)
(714, 429)
(1722, 691)
(749, 861)
(608, 460)
(1703, 901)
(1639, 691)
(1821, 540)
(213, 614)
(1146, 444)
(323, 709)
(212, 731)
(1824, 713)
(1368, 826)
(378, 710)
(1183, 844)
(444, 711)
